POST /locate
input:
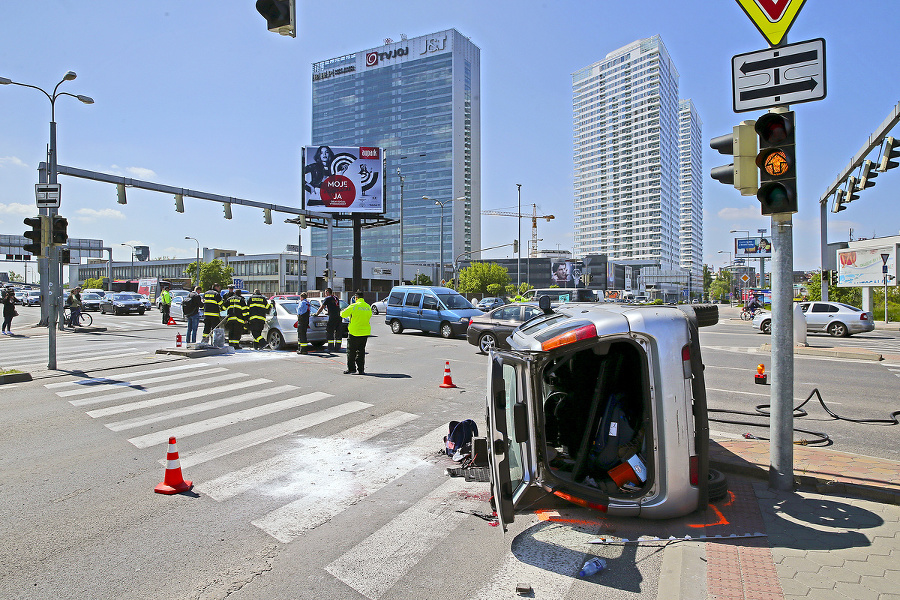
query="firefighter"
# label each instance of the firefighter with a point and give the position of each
(236, 314)
(212, 311)
(257, 307)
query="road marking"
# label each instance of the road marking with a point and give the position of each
(266, 434)
(114, 410)
(113, 383)
(152, 439)
(95, 380)
(78, 350)
(330, 487)
(253, 476)
(83, 360)
(196, 408)
(374, 565)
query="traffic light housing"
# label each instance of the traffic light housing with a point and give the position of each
(227, 206)
(267, 216)
(60, 230)
(742, 173)
(515, 246)
(777, 163)
(36, 235)
(120, 194)
(65, 256)
(850, 193)
(891, 150)
(867, 175)
(280, 15)
(179, 203)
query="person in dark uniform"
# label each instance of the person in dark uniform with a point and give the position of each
(302, 324)
(257, 307)
(236, 311)
(212, 310)
(333, 328)
(228, 294)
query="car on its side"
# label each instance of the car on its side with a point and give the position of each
(491, 330)
(123, 303)
(491, 302)
(834, 318)
(90, 301)
(281, 324)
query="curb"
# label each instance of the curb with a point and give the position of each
(15, 378)
(861, 354)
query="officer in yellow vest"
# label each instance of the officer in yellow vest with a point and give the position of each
(257, 307)
(358, 332)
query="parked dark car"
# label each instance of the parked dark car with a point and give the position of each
(123, 303)
(491, 329)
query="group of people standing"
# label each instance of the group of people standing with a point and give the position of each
(358, 331)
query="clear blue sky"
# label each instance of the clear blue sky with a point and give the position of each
(199, 95)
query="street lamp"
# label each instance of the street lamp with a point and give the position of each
(132, 259)
(198, 257)
(52, 281)
(440, 203)
(730, 264)
(519, 238)
(735, 249)
(402, 180)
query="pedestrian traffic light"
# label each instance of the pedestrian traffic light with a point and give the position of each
(36, 235)
(65, 256)
(280, 15)
(267, 216)
(868, 174)
(179, 203)
(742, 173)
(120, 193)
(227, 206)
(891, 150)
(777, 163)
(60, 230)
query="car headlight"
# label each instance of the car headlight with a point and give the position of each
(464, 320)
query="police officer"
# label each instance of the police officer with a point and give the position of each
(257, 307)
(358, 333)
(333, 328)
(212, 310)
(302, 324)
(165, 303)
(236, 313)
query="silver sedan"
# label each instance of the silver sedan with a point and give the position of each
(281, 324)
(834, 318)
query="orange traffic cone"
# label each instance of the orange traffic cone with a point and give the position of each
(173, 483)
(171, 321)
(448, 381)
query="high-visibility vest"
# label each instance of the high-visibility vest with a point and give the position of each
(359, 314)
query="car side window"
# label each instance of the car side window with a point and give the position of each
(532, 311)
(395, 299)
(430, 302)
(804, 307)
(508, 313)
(823, 308)
(413, 299)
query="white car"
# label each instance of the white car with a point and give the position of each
(379, 307)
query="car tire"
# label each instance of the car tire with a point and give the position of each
(396, 326)
(717, 486)
(318, 344)
(276, 340)
(374, 310)
(766, 326)
(140, 312)
(446, 330)
(838, 329)
(486, 342)
(707, 314)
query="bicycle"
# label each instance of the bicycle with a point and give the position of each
(84, 319)
(747, 315)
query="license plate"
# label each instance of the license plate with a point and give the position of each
(319, 324)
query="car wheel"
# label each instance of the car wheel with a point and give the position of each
(838, 330)
(396, 326)
(487, 342)
(717, 486)
(766, 326)
(140, 312)
(276, 340)
(374, 310)
(446, 330)
(318, 344)
(707, 315)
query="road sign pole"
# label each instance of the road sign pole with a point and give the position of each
(781, 447)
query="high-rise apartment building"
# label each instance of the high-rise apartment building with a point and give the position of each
(420, 100)
(629, 155)
(691, 183)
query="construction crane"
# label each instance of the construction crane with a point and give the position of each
(533, 245)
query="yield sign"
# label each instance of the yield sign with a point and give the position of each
(773, 18)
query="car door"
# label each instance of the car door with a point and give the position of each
(820, 315)
(411, 307)
(509, 435)
(430, 314)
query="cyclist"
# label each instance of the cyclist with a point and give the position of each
(74, 304)
(753, 305)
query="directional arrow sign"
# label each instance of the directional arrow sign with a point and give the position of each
(779, 76)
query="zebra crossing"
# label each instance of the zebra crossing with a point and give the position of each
(31, 354)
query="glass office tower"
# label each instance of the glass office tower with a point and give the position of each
(420, 100)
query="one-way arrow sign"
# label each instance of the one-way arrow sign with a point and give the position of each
(779, 76)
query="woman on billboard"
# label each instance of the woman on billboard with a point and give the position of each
(315, 173)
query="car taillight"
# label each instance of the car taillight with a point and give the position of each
(470, 321)
(695, 470)
(296, 325)
(863, 317)
(686, 361)
(585, 332)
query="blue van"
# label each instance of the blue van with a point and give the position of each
(436, 309)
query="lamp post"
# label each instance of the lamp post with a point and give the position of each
(131, 276)
(51, 288)
(735, 249)
(729, 264)
(519, 238)
(198, 257)
(440, 203)
(402, 180)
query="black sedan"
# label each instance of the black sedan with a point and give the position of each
(491, 329)
(123, 303)
(90, 301)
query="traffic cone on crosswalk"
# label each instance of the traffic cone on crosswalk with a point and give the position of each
(171, 321)
(448, 381)
(173, 482)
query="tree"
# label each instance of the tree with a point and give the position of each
(707, 280)
(211, 273)
(476, 278)
(422, 279)
(721, 287)
(15, 277)
(93, 283)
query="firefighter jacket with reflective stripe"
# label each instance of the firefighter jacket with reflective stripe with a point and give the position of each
(212, 304)
(257, 306)
(236, 309)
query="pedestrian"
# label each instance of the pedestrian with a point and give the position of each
(165, 303)
(9, 311)
(257, 307)
(236, 312)
(74, 304)
(333, 327)
(212, 310)
(358, 333)
(191, 308)
(302, 324)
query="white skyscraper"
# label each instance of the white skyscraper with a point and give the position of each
(691, 192)
(629, 156)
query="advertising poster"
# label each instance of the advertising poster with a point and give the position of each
(561, 274)
(343, 179)
(148, 286)
(758, 247)
(864, 267)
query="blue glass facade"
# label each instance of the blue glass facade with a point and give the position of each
(420, 102)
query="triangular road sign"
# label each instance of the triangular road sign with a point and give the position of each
(773, 18)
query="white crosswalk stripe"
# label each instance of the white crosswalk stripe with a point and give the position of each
(97, 380)
(114, 410)
(135, 382)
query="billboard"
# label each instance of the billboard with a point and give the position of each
(864, 267)
(566, 274)
(343, 179)
(757, 247)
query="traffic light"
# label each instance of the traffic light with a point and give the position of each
(36, 235)
(891, 150)
(868, 174)
(60, 230)
(515, 246)
(179, 203)
(267, 216)
(65, 256)
(850, 193)
(777, 163)
(120, 194)
(280, 15)
(227, 206)
(742, 173)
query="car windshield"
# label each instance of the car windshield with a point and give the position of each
(124, 297)
(90, 297)
(452, 301)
